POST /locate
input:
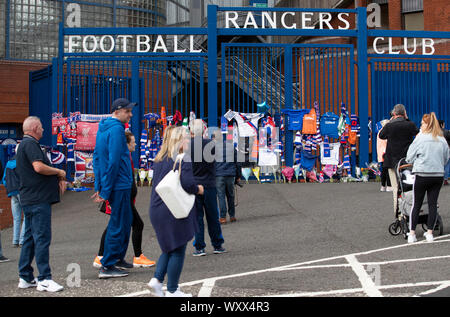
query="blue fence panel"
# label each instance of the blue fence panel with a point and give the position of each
(443, 92)
(40, 93)
(410, 82)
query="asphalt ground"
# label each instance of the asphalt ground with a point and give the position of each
(319, 240)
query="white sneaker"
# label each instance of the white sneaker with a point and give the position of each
(388, 189)
(177, 293)
(156, 286)
(428, 236)
(412, 238)
(25, 284)
(49, 286)
(382, 189)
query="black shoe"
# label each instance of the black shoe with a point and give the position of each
(111, 272)
(219, 250)
(3, 259)
(123, 265)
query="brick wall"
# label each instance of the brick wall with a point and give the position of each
(436, 15)
(6, 220)
(14, 97)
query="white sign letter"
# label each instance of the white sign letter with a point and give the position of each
(391, 51)
(139, 42)
(271, 20)
(102, 44)
(305, 19)
(85, 41)
(191, 45)
(430, 44)
(250, 20)
(405, 46)
(160, 45)
(375, 45)
(325, 18)
(73, 44)
(124, 43)
(175, 45)
(283, 23)
(229, 19)
(342, 19)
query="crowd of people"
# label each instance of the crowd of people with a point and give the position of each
(34, 186)
(206, 170)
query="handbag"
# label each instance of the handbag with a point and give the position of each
(178, 201)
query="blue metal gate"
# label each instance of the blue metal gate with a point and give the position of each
(285, 76)
(89, 85)
(423, 86)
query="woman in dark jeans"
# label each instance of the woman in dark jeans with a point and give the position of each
(172, 234)
(139, 260)
(428, 153)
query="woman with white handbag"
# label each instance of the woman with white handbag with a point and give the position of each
(173, 219)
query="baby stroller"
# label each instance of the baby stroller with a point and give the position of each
(405, 196)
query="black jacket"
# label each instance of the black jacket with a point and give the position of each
(202, 156)
(226, 160)
(447, 136)
(399, 133)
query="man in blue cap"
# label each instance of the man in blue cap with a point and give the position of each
(113, 181)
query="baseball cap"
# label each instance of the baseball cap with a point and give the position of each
(122, 103)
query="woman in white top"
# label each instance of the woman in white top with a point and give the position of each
(428, 153)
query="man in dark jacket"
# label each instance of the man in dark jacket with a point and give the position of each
(113, 180)
(203, 165)
(227, 174)
(399, 133)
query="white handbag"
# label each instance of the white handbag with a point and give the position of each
(178, 201)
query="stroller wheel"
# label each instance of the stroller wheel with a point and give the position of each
(395, 228)
(438, 228)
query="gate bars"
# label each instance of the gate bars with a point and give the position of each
(306, 73)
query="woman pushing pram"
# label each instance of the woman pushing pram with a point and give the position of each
(428, 155)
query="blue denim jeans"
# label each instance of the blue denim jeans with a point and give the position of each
(206, 205)
(18, 227)
(447, 170)
(225, 194)
(36, 242)
(171, 264)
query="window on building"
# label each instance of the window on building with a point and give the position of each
(412, 11)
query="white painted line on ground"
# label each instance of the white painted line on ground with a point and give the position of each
(407, 260)
(207, 288)
(366, 281)
(442, 285)
(438, 239)
(434, 290)
(324, 293)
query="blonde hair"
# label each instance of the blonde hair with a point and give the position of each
(172, 140)
(433, 126)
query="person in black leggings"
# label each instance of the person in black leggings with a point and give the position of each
(137, 226)
(429, 153)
